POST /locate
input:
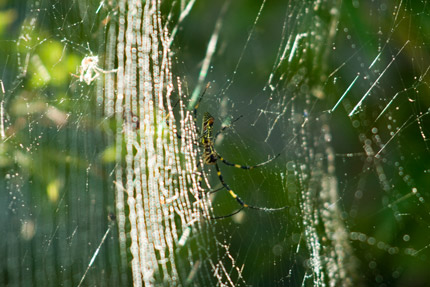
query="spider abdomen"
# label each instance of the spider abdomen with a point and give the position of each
(210, 157)
(209, 154)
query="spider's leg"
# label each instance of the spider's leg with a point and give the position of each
(198, 102)
(228, 215)
(100, 70)
(197, 106)
(177, 133)
(238, 199)
(195, 110)
(200, 178)
(199, 144)
(246, 166)
(216, 190)
(230, 191)
(90, 80)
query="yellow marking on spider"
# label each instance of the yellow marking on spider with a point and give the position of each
(234, 195)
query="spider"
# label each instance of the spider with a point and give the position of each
(211, 157)
(89, 70)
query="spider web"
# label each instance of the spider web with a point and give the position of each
(99, 189)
